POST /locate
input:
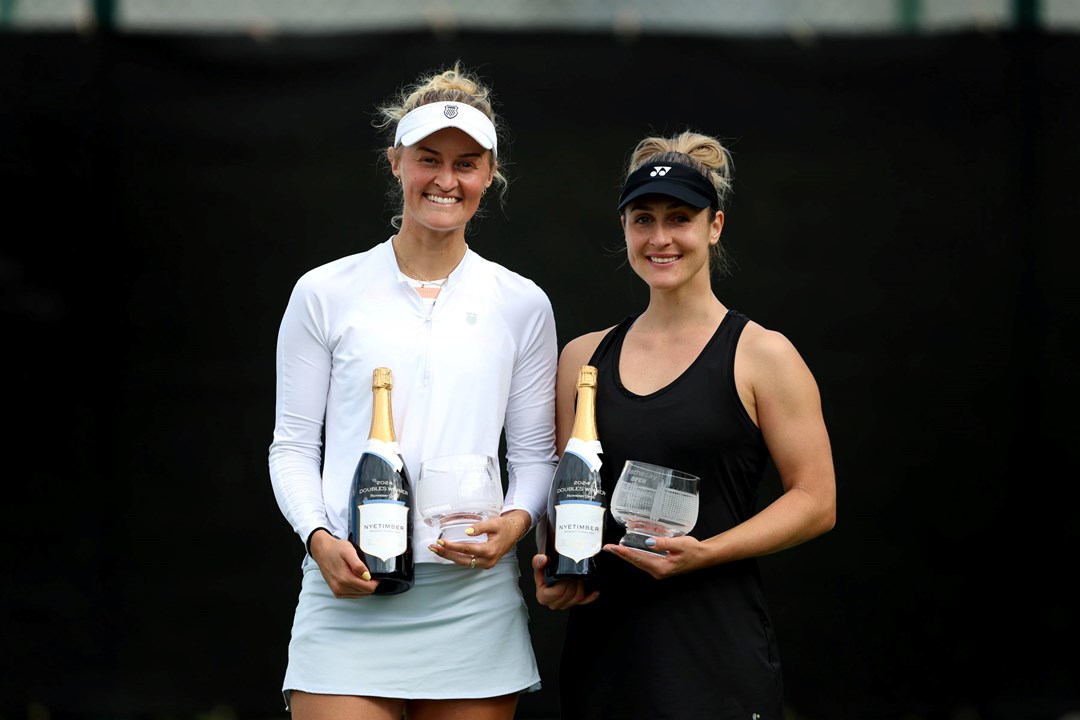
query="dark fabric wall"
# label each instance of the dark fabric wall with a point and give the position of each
(905, 211)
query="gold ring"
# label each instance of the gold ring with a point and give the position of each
(473, 563)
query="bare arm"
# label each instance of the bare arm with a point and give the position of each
(566, 594)
(786, 404)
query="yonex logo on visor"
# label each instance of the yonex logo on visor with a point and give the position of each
(427, 119)
(679, 181)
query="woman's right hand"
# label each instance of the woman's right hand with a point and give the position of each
(562, 594)
(341, 567)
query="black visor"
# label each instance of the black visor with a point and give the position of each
(678, 181)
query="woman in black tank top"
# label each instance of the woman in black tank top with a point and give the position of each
(692, 385)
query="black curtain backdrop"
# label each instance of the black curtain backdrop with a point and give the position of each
(905, 211)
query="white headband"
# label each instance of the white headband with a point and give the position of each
(426, 119)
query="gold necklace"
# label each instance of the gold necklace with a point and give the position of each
(417, 276)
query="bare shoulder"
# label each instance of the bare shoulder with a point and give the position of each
(768, 346)
(769, 355)
(578, 351)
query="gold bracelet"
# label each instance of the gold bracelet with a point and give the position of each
(520, 534)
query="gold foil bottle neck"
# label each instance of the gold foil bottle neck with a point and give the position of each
(585, 412)
(382, 417)
(381, 377)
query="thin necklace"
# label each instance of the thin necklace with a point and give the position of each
(416, 275)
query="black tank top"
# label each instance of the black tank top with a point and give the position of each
(695, 646)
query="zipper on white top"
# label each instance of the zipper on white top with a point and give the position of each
(425, 382)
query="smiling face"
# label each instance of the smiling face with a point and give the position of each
(442, 179)
(668, 242)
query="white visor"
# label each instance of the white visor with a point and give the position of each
(426, 119)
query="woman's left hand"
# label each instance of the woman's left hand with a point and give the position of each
(502, 532)
(684, 554)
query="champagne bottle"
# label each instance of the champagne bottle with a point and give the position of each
(577, 502)
(380, 503)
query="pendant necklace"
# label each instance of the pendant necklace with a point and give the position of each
(428, 288)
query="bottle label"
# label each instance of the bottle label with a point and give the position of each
(383, 528)
(579, 529)
(588, 450)
(390, 452)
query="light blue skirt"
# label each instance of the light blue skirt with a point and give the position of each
(457, 633)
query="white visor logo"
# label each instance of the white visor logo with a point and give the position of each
(450, 111)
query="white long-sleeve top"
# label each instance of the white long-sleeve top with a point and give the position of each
(480, 360)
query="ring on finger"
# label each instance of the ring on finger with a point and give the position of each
(472, 563)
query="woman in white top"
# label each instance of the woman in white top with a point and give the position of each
(473, 352)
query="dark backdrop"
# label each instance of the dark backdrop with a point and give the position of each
(905, 211)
